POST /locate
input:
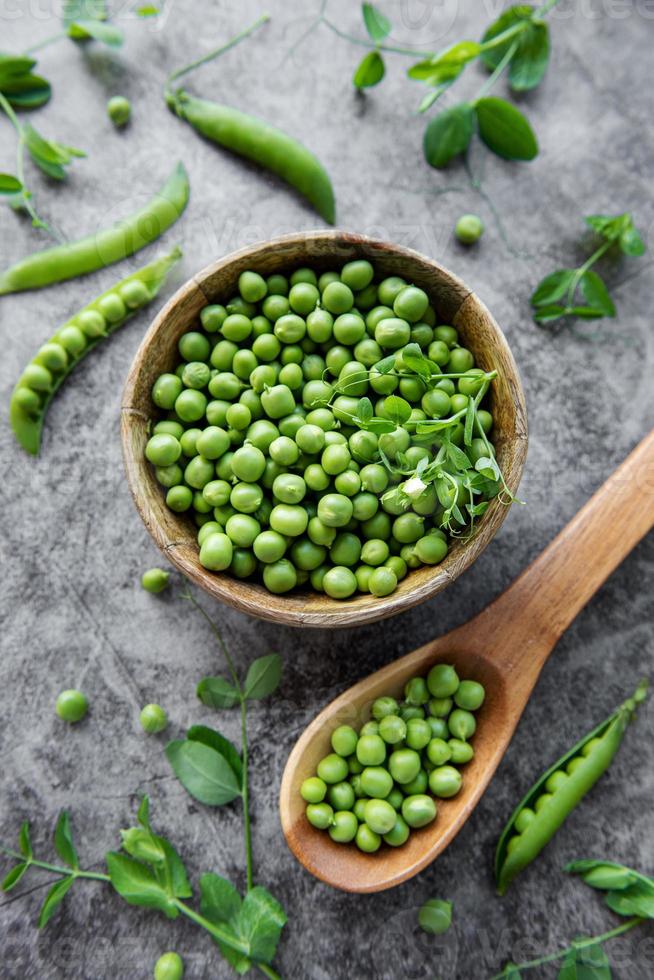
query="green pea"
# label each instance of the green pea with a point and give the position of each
(430, 549)
(337, 298)
(404, 765)
(166, 390)
(170, 966)
(252, 286)
(190, 405)
(374, 477)
(383, 581)
(371, 750)
(398, 565)
(384, 706)
(344, 826)
(409, 711)
(461, 360)
(277, 284)
(216, 552)
(469, 695)
(71, 706)
(320, 815)
(392, 333)
(179, 499)
(408, 528)
(380, 816)
(416, 692)
(462, 724)
(340, 796)
(332, 769)
(367, 840)
(280, 576)
(399, 834)
(163, 450)
(445, 781)
(169, 476)
(199, 472)
(418, 785)
(389, 288)
(462, 752)
(339, 582)
(438, 751)
(313, 789)
(371, 727)
(153, 719)
(418, 733)
(269, 546)
(119, 110)
(440, 707)
(442, 681)
(344, 741)
(410, 304)
(375, 781)
(524, 819)
(246, 498)
(357, 274)
(155, 580)
(556, 781)
(418, 810)
(469, 229)
(335, 510)
(307, 556)
(392, 729)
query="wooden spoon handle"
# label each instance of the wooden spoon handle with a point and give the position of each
(543, 601)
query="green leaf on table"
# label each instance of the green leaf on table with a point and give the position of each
(212, 738)
(49, 156)
(585, 312)
(63, 840)
(203, 772)
(14, 876)
(25, 91)
(261, 921)
(14, 65)
(638, 900)
(138, 884)
(148, 10)
(216, 692)
(609, 226)
(221, 904)
(594, 291)
(448, 134)
(434, 74)
(505, 130)
(553, 287)
(631, 243)
(10, 186)
(586, 963)
(370, 70)
(143, 812)
(397, 409)
(377, 24)
(550, 313)
(24, 841)
(511, 972)
(53, 900)
(603, 875)
(263, 677)
(95, 30)
(529, 62)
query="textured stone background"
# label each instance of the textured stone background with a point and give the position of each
(73, 547)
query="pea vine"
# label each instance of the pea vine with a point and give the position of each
(516, 43)
(147, 871)
(556, 295)
(465, 480)
(627, 892)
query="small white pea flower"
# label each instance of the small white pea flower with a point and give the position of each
(413, 487)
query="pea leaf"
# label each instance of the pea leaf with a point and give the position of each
(370, 71)
(596, 294)
(138, 885)
(448, 134)
(74, 10)
(216, 692)
(10, 184)
(547, 314)
(142, 844)
(609, 226)
(364, 410)
(415, 360)
(51, 157)
(221, 904)
(379, 426)
(263, 677)
(14, 65)
(529, 63)
(53, 899)
(488, 467)
(435, 916)
(588, 963)
(469, 424)
(377, 24)
(96, 30)
(397, 409)
(212, 738)
(552, 287)
(63, 840)
(511, 972)
(14, 876)
(585, 312)
(143, 812)
(433, 73)
(24, 842)
(631, 243)
(148, 11)
(385, 365)
(203, 772)
(604, 875)
(456, 456)
(638, 899)
(261, 921)
(505, 130)
(25, 91)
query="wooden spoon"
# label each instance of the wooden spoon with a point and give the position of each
(505, 648)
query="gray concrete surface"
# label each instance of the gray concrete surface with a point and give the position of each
(73, 546)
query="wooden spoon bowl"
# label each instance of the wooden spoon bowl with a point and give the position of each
(454, 302)
(504, 648)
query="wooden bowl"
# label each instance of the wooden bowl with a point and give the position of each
(455, 303)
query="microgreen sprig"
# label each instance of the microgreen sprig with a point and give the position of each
(627, 892)
(556, 295)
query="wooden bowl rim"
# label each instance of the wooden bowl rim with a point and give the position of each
(292, 609)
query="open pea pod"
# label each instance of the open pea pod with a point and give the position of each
(558, 791)
(55, 360)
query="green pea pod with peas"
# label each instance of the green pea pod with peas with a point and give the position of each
(253, 138)
(72, 259)
(558, 791)
(55, 360)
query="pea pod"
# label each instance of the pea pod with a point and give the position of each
(253, 138)
(558, 791)
(52, 364)
(105, 247)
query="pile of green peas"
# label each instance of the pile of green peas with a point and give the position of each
(379, 784)
(258, 440)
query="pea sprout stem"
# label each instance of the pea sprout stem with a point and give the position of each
(45, 43)
(580, 944)
(247, 828)
(180, 72)
(583, 269)
(54, 868)
(494, 76)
